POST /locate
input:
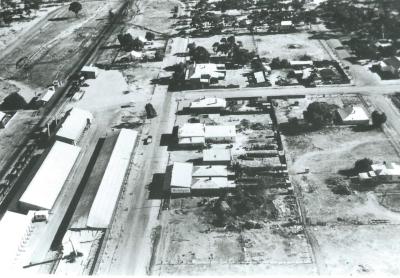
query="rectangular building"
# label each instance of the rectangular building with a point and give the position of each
(46, 185)
(181, 177)
(74, 125)
(103, 206)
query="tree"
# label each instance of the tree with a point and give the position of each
(378, 118)
(75, 7)
(13, 102)
(128, 43)
(320, 114)
(200, 55)
(241, 56)
(363, 165)
(150, 36)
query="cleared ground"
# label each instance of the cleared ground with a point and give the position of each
(352, 231)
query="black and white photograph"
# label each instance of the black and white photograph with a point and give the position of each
(199, 138)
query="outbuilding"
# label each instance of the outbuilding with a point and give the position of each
(353, 115)
(89, 72)
(49, 180)
(74, 125)
(220, 133)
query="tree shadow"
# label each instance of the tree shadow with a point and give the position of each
(128, 125)
(60, 18)
(363, 128)
(348, 172)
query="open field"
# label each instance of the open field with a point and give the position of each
(328, 152)
(355, 250)
(190, 245)
(272, 46)
(52, 49)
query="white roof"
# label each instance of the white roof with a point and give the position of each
(208, 102)
(286, 23)
(75, 124)
(300, 63)
(45, 186)
(389, 169)
(2, 115)
(212, 70)
(212, 131)
(181, 174)
(259, 75)
(212, 183)
(110, 186)
(191, 130)
(136, 54)
(216, 154)
(210, 171)
(192, 140)
(89, 69)
(49, 94)
(353, 113)
(13, 230)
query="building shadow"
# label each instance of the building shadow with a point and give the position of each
(156, 186)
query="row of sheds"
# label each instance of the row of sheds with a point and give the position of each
(48, 181)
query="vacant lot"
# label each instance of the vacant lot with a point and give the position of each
(271, 46)
(366, 249)
(327, 153)
(190, 245)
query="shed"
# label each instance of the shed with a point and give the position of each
(217, 156)
(89, 72)
(106, 198)
(15, 228)
(353, 115)
(49, 180)
(74, 125)
(220, 133)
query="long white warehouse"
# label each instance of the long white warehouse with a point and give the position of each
(107, 195)
(74, 126)
(15, 229)
(45, 186)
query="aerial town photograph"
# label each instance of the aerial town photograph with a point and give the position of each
(199, 137)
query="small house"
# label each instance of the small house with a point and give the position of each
(353, 115)
(89, 72)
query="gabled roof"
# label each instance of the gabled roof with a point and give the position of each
(210, 171)
(212, 131)
(353, 113)
(212, 183)
(208, 102)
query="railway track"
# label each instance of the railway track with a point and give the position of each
(52, 109)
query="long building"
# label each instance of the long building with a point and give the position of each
(15, 229)
(107, 195)
(74, 126)
(46, 185)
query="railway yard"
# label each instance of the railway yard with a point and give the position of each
(180, 137)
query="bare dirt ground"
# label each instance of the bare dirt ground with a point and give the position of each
(277, 46)
(53, 47)
(190, 245)
(351, 230)
(355, 250)
(13, 135)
